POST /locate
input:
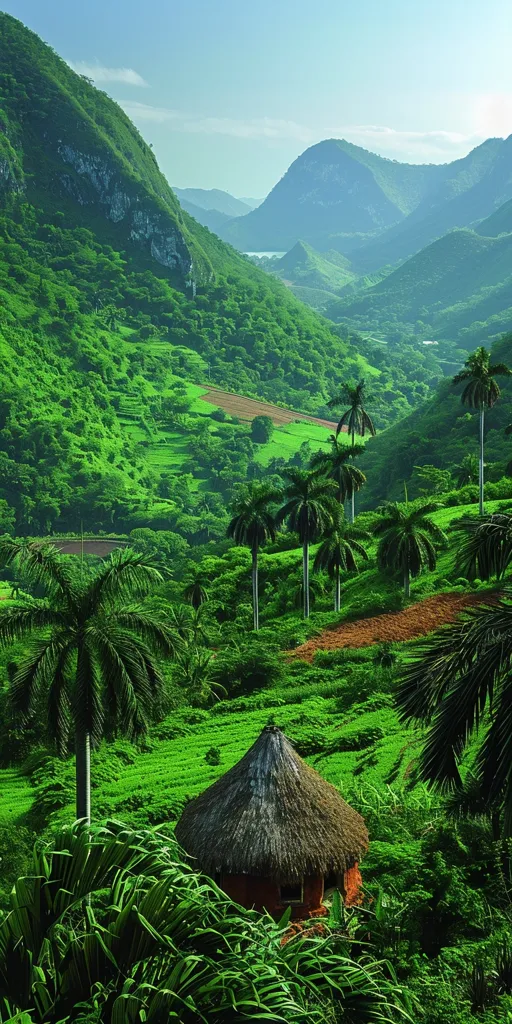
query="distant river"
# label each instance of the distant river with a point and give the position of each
(267, 254)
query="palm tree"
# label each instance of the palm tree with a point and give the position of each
(90, 662)
(481, 391)
(355, 418)
(408, 538)
(458, 683)
(309, 509)
(487, 546)
(337, 464)
(337, 552)
(253, 524)
(467, 472)
(196, 593)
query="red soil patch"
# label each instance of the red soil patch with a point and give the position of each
(248, 408)
(417, 620)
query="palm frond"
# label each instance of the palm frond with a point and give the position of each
(19, 621)
(34, 676)
(126, 574)
(42, 565)
(158, 635)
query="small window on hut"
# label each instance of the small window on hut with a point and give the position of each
(292, 893)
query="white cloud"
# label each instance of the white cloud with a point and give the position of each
(250, 128)
(100, 74)
(434, 146)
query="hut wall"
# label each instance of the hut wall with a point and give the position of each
(264, 894)
(352, 882)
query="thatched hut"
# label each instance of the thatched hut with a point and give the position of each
(273, 833)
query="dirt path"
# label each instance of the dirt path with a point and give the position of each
(248, 408)
(417, 620)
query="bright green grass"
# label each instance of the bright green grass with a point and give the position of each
(286, 440)
(16, 796)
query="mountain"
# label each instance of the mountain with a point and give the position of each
(499, 222)
(306, 267)
(440, 432)
(211, 219)
(111, 297)
(251, 202)
(340, 196)
(213, 199)
(473, 188)
(458, 288)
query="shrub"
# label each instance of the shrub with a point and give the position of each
(212, 756)
(262, 429)
(241, 670)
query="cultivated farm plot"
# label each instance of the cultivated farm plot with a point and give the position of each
(392, 627)
(248, 408)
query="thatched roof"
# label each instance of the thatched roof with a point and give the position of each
(272, 815)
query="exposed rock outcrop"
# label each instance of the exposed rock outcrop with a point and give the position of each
(94, 181)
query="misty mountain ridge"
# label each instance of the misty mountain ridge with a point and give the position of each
(339, 196)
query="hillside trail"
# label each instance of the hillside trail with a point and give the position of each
(391, 627)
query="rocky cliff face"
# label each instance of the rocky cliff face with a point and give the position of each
(89, 179)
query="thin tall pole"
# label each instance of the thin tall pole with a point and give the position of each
(481, 466)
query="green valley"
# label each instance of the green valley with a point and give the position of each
(255, 531)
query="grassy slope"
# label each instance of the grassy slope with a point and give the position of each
(324, 702)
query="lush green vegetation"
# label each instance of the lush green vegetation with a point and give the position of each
(456, 289)
(436, 903)
(170, 657)
(441, 434)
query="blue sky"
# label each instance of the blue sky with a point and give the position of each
(231, 91)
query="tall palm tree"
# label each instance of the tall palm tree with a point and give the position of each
(458, 683)
(408, 538)
(355, 418)
(253, 524)
(336, 463)
(90, 660)
(481, 391)
(339, 550)
(310, 508)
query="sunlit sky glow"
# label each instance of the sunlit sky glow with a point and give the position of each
(230, 92)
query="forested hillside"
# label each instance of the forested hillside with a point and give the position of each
(98, 263)
(439, 433)
(458, 288)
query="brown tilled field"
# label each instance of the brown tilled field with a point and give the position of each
(248, 408)
(415, 621)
